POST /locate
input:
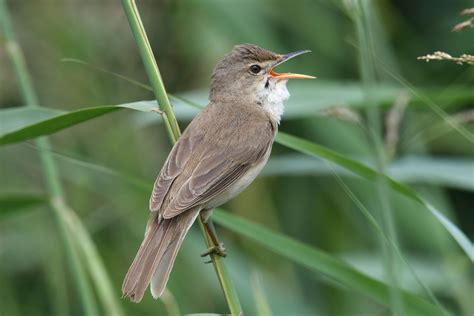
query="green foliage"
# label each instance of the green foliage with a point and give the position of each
(321, 262)
(32, 123)
(12, 203)
(326, 216)
(50, 125)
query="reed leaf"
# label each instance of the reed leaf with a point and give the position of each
(321, 262)
(55, 124)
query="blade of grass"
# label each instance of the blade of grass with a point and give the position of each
(12, 119)
(72, 242)
(319, 151)
(322, 262)
(89, 251)
(16, 56)
(424, 98)
(362, 22)
(138, 30)
(386, 238)
(305, 147)
(151, 67)
(261, 301)
(448, 172)
(237, 223)
(353, 166)
(54, 121)
(106, 71)
(144, 185)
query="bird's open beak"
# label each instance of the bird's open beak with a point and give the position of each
(288, 75)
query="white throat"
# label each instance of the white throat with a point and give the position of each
(271, 98)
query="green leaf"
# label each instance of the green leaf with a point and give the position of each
(28, 123)
(13, 202)
(449, 171)
(356, 167)
(61, 121)
(12, 119)
(322, 262)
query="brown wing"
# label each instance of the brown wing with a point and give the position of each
(220, 158)
(173, 167)
(219, 169)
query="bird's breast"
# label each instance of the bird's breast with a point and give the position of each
(240, 184)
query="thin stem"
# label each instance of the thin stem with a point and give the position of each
(151, 67)
(174, 132)
(94, 262)
(73, 233)
(49, 169)
(368, 76)
(230, 292)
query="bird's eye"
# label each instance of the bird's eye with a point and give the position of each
(255, 69)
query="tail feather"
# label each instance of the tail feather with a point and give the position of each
(156, 255)
(163, 270)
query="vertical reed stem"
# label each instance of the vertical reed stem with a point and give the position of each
(174, 132)
(49, 170)
(73, 233)
(374, 127)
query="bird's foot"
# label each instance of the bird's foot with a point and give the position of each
(217, 250)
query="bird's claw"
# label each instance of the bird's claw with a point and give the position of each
(217, 250)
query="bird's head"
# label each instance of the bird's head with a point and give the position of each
(247, 74)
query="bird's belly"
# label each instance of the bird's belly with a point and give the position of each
(239, 185)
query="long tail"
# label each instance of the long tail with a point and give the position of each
(156, 255)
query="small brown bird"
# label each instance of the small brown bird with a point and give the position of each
(219, 154)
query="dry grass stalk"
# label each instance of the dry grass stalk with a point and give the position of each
(464, 58)
(464, 117)
(341, 113)
(392, 122)
(468, 23)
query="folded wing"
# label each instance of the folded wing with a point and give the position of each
(226, 159)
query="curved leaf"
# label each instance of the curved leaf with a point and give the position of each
(29, 123)
(61, 121)
(445, 171)
(356, 167)
(322, 262)
(13, 118)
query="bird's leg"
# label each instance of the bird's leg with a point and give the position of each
(218, 247)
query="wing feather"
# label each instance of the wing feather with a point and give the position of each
(173, 167)
(220, 158)
(220, 168)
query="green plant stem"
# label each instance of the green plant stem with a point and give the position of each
(49, 169)
(73, 232)
(364, 37)
(94, 262)
(174, 132)
(151, 68)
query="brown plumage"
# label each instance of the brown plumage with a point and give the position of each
(219, 154)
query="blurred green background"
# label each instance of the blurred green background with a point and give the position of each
(298, 196)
